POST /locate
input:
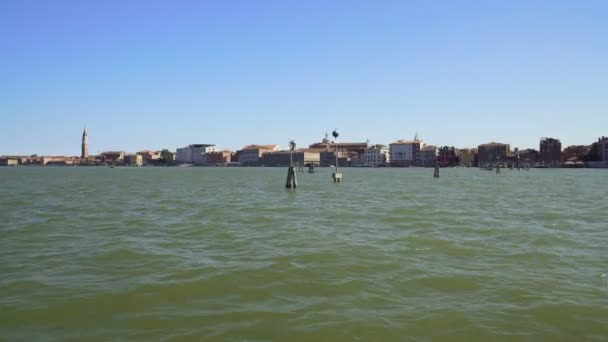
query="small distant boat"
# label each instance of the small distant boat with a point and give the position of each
(111, 166)
(487, 168)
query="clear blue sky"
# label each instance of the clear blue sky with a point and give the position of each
(154, 74)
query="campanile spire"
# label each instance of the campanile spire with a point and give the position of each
(85, 144)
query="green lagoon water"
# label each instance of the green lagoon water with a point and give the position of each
(209, 254)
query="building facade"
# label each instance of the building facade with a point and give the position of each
(550, 152)
(527, 157)
(326, 144)
(576, 153)
(113, 156)
(134, 160)
(467, 157)
(9, 162)
(598, 153)
(374, 156)
(251, 155)
(405, 153)
(219, 157)
(58, 160)
(149, 157)
(448, 156)
(194, 154)
(283, 158)
(492, 153)
(428, 155)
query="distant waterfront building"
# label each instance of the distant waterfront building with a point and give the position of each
(328, 159)
(251, 155)
(448, 156)
(527, 157)
(282, 158)
(84, 145)
(58, 160)
(405, 153)
(428, 155)
(19, 160)
(7, 161)
(576, 153)
(134, 160)
(376, 155)
(346, 147)
(149, 157)
(491, 153)
(194, 154)
(114, 157)
(467, 157)
(598, 153)
(349, 153)
(550, 152)
(219, 157)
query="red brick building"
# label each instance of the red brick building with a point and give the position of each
(448, 156)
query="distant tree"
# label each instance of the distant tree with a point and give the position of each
(166, 156)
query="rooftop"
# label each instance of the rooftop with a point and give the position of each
(409, 142)
(493, 144)
(201, 145)
(260, 147)
(375, 147)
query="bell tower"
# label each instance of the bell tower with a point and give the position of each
(85, 144)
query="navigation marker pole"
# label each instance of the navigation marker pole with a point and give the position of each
(337, 176)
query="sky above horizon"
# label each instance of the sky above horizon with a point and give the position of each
(165, 74)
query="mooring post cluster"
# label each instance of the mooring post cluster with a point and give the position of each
(292, 180)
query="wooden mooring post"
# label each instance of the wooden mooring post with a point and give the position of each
(436, 173)
(292, 179)
(497, 165)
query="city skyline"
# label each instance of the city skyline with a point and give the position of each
(143, 76)
(84, 145)
(401, 153)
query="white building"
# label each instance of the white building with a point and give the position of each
(405, 153)
(375, 156)
(194, 154)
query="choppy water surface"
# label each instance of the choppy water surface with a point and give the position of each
(223, 253)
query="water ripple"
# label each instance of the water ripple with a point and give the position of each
(228, 254)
